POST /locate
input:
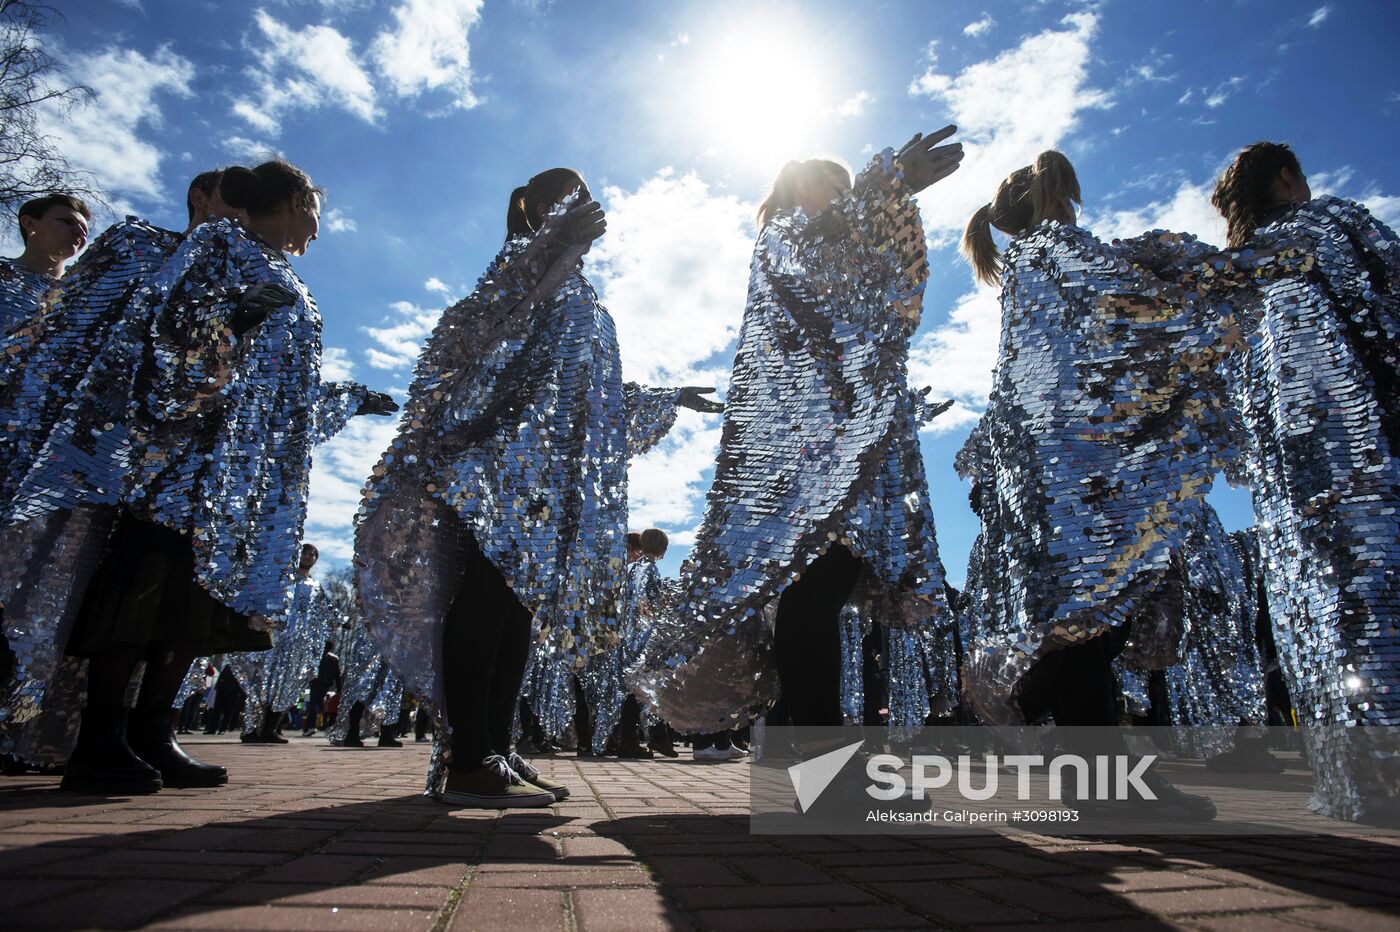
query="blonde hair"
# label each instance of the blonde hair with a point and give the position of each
(783, 195)
(1024, 199)
(654, 542)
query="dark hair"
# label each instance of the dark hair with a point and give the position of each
(543, 190)
(36, 209)
(634, 540)
(1023, 200)
(783, 195)
(262, 190)
(1244, 192)
(205, 183)
(312, 548)
(654, 542)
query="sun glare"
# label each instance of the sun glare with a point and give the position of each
(759, 93)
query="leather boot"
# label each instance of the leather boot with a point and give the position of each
(102, 762)
(149, 736)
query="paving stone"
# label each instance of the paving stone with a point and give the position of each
(482, 908)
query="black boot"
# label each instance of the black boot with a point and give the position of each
(387, 739)
(102, 762)
(270, 723)
(352, 733)
(659, 740)
(149, 736)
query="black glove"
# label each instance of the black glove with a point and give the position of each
(583, 224)
(377, 403)
(256, 304)
(924, 164)
(690, 397)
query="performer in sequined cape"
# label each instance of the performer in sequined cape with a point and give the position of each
(66, 379)
(274, 679)
(819, 472)
(504, 496)
(53, 229)
(371, 684)
(1103, 433)
(1320, 398)
(225, 414)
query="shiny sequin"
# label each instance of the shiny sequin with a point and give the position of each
(819, 445)
(1103, 433)
(369, 679)
(517, 430)
(1320, 399)
(274, 679)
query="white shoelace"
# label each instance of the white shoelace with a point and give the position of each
(522, 767)
(501, 768)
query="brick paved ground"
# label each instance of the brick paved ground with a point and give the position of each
(312, 837)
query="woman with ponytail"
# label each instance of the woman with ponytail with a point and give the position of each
(1102, 435)
(819, 488)
(502, 503)
(1320, 399)
(216, 452)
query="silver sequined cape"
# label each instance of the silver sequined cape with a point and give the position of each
(1102, 436)
(22, 292)
(819, 444)
(274, 679)
(368, 679)
(1319, 397)
(517, 431)
(224, 427)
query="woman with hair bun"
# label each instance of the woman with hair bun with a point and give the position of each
(504, 497)
(228, 403)
(1103, 433)
(1319, 394)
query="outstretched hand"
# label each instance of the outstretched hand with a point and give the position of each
(926, 162)
(690, 397)
(583, 224)
(377, 403)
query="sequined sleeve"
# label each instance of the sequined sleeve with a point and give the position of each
(446, 390)
(863, 256)
(336, 404)
(194, 352)
(651, 413)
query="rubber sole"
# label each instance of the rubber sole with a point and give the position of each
(475, 801)
(108, 788)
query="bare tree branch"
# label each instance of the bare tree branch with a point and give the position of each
(31, 86)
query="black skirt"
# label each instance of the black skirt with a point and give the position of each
(145, 591)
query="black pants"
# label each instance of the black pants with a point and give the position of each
(485, 647)
(715, 739)
(1076, 684)
(807, 638)
(314, 702)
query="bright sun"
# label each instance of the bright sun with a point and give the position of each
(759, 93)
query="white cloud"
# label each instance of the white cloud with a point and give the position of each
(1223, 92)
(103, 136)
(855, 105)
(1008, 109)
(302, 69)
(957, 358)
(339, 470)
(437, 285)
(1188, 210)
(1319, 15)
(673, 270)
(980, 27)
(249, 150)
(336, 365)
(398, 344)
(666, 487)
(337, 221)
(427, 50)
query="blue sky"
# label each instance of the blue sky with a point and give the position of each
(420, 116)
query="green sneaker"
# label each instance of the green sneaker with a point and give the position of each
(493, 785)
(531, 774)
